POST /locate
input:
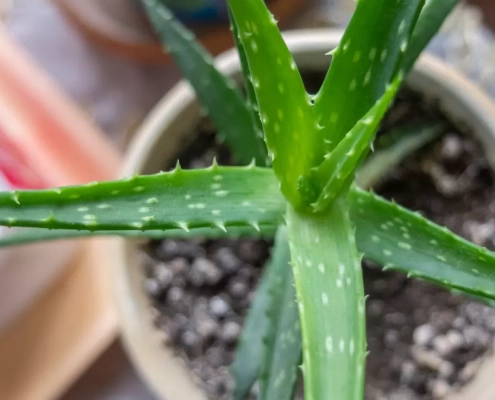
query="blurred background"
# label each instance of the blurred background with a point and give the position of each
(97, 69)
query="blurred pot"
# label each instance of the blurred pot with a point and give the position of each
(121, 27)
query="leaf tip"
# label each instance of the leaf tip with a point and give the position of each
(255, 225)
(178, 167)
(221, 226)
(15, 197)
(183, 226)
(332, 52)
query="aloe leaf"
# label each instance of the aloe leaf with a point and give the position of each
(429, 23)
(216, 92)
(407, 139)
(218, 197)
(252, 102)
(339, 166)
(34, 235)
(285, 107)
(364, 63)
(405, 241)
(250, 348)
(282, 353)
(249, 195)
(329, 287)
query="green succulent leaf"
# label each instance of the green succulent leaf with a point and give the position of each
(338, 168)
(403, 240)
(365, 62)
(249, 197)
(252, 102)
(282, 353)
(216, 92)
(250, 348)
(429, 23)
(34, 235)
(218, 197)
(285, 107)
(406, 140)
(330, 294)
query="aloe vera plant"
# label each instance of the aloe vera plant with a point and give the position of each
(300, 186)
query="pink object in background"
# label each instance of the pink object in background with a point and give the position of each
(15, 171)
(45, 140)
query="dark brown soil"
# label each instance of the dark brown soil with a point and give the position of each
(424, 341)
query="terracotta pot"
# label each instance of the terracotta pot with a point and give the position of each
(176, 117)
(118, 26)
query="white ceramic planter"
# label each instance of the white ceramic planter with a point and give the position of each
(175, 118)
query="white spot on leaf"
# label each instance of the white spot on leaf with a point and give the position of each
(329, 344)
(384, 54)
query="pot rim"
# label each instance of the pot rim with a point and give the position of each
(178, 112)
